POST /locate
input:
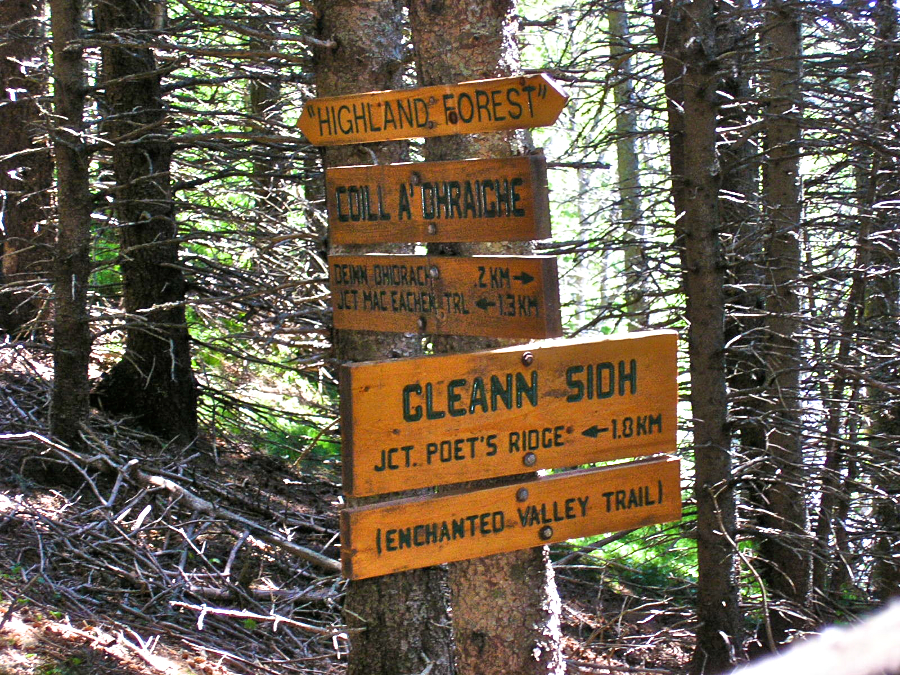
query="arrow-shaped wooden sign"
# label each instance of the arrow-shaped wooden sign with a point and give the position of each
(411, 423)
(465, 108)
(409, 533)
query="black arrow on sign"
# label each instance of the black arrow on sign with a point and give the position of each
(484, 303)
(594, 431)
(524, 277)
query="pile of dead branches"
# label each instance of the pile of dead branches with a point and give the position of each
(168, 550)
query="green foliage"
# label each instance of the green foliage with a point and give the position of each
(281, 433)
(651, 557)
(295, 441)
(74, 665)
(13, 573)
(106, 278)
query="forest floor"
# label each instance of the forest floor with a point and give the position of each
(130, 557)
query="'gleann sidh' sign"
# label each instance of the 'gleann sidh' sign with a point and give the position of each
(466, 108)
(468, 200)
(494, 296)
(435, 420)
(418, 532)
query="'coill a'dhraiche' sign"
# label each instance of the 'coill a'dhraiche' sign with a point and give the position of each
(421, 531)
(496, 296)
(435, 420)
(468, 200)
(466, 108)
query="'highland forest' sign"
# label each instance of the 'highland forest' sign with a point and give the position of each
(466, 108)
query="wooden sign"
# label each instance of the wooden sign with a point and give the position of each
(466, 108)
(497, 296)
(435, 420)
(469, 200)
(423, 531)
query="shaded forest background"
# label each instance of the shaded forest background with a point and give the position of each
(729, 170)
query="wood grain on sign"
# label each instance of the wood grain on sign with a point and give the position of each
(468, 200)
(495, 296)
(436, 420)
(422, 531)
(465, 108)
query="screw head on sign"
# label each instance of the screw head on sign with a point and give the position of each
(421, 323)
(434, 272)
(415, 178)
(432, 228)
(527, 358)
(521, 494)
(545, 532)
(530, 459)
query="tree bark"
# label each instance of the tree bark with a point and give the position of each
(26, 168)
(784, 546)
(505, 607)
(70, 403)
(153, 381)
(407, 628)
(687, 34)
(636, 308)
(745, 237)
(883, 303)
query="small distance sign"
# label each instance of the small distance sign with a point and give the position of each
(466, 108)
(422, 531)
(494, 296)
(436, 420)
(468, 200)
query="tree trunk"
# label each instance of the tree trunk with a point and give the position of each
(784, 547)
(832, 499)
(70, 403)
(26, 169)
(636, 308)
(153, 381)
(407, 628)
(505, 607)
(883, 304)
(687, 35)
(740, 213)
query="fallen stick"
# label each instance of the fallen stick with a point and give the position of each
(245, 614)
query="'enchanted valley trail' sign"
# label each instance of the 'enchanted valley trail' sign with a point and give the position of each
(418, 532)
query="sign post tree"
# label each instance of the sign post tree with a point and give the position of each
(410, 603)
(471, 40)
